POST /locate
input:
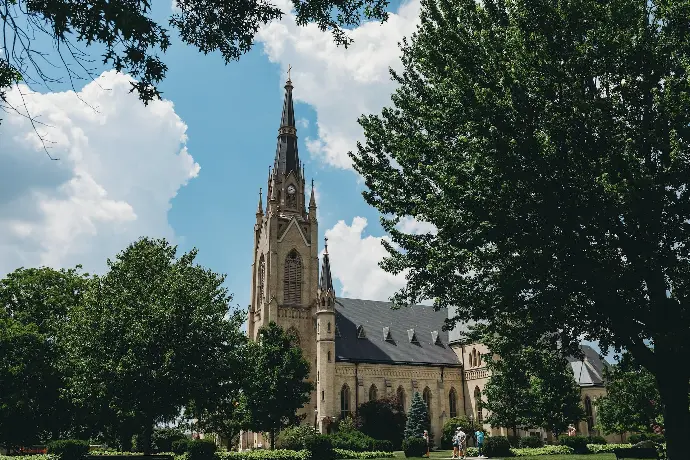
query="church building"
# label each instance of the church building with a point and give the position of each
(358, 349)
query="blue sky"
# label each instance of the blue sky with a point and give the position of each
(189, 169)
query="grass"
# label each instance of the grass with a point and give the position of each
(448, 453)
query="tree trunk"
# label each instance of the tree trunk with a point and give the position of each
(273, 439)
(146, 438)
(674, 386)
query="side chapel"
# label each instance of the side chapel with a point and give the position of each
(359, 350)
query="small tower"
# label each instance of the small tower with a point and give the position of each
(325, 343)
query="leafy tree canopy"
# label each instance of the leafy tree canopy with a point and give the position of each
(548, 143)
(160, 336)
(34, 306)
(277, 387)
(133, 40)
(632, 402)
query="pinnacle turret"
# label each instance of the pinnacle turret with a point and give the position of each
(326, 281)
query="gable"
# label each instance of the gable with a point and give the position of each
(294, 226)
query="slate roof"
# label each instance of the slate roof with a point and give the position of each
(419, 322)
(589, 373)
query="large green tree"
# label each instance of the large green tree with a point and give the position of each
(549, 144)
(383, 418)
(277, 385)
(632, 402)
(34, 306)
(132, 40)
(154, 334)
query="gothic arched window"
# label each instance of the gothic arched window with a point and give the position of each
(373, 393)
(401, 397)
(589, 414)
(478, 402)
(426, 396)
(453, 403)
(329, 356)
(344, 401)
(262, 280)
(292, 279)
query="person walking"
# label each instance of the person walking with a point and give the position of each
(480, 441)
(462, 439)
(456, 446)
(426, 438)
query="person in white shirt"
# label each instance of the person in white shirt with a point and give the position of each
(459, 440)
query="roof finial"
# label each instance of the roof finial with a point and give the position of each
(260, 208)
(325, 245)
(288, 72)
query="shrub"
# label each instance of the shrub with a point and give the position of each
(639, 437)
(514, 441)
(320, 447)
(352, 440)
(68, 449)
(201, 449)
(382, 445)
(350, 454)
(29, 457)
(577, 443)
(546, 450)
(280, 454)
(383, 418)
(414, 447)
(605, 448)
(496, 446)
(472, 452)
(295, 437)
(596, 440)
(162, 439)
(180, 446)
(533, 442)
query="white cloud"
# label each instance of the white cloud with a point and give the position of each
(340, 84)
(354, 262)
(412, 226)
(302, 123)
(120, 166)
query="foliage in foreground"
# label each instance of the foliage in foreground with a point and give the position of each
(131, 39)
(552, 156)
(384, 419)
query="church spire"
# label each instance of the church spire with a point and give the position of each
(312, 198)
(326, 282)
(287, 157)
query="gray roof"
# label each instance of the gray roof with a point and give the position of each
(415, 334)
(590, 372)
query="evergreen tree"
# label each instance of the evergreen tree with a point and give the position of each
(417, 418)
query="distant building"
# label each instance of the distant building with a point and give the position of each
(360, 349)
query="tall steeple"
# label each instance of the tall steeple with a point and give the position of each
(287, 157)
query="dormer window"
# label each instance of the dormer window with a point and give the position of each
(387, 334)
(435, 339)
(412, 337)
(360, 333)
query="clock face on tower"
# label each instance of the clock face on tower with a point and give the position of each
(291, 189)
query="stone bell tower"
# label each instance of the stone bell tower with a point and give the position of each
(286, 265)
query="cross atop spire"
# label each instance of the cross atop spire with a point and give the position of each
(288, 72)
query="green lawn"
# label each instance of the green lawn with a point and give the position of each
(448, 453)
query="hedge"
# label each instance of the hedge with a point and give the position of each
(259, 454)
(342, 454)
(30, 457)
(606, 448)
(546, 450)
